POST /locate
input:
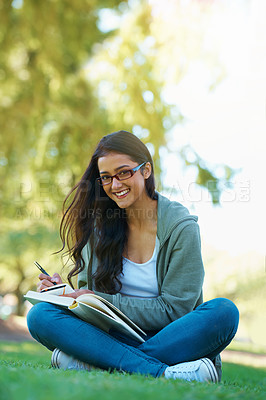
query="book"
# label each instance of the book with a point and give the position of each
(90, 308)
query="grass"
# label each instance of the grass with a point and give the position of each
(25, 374)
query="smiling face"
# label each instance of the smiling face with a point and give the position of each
(130, 191)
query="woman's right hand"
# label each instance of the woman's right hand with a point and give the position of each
(48, 281)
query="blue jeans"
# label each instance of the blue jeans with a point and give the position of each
(204, 332)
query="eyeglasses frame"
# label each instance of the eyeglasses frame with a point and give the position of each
(132, 172)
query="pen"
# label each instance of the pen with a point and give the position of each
(42, 269)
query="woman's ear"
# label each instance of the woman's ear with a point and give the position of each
(147, 170)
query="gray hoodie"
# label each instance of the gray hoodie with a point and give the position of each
(179, 267)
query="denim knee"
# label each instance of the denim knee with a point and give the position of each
(227, 310)
(36, 316)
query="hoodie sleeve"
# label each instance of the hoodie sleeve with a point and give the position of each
(181, 288)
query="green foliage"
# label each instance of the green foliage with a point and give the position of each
(25, 374)
(19, 247)
(51, 119)
(205, 176)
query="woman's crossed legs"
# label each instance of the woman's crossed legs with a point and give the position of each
(204, 332)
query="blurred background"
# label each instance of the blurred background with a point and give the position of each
(187, 77)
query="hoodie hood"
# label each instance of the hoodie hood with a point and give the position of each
(165, 212)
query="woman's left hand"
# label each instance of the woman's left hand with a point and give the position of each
(78, 292)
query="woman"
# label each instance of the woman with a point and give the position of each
(141, 252)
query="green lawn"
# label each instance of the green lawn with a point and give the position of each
(25, 374)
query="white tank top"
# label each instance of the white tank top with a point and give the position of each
(140, 280)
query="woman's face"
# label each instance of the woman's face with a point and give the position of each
(126, 192)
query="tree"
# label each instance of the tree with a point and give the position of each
(19, 247)
(51, 118)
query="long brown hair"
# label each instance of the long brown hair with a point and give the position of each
(89, 215)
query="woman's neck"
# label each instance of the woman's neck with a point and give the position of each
(142, 214)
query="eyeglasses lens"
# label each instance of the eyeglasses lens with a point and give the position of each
(124, 175)
(121, 176)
